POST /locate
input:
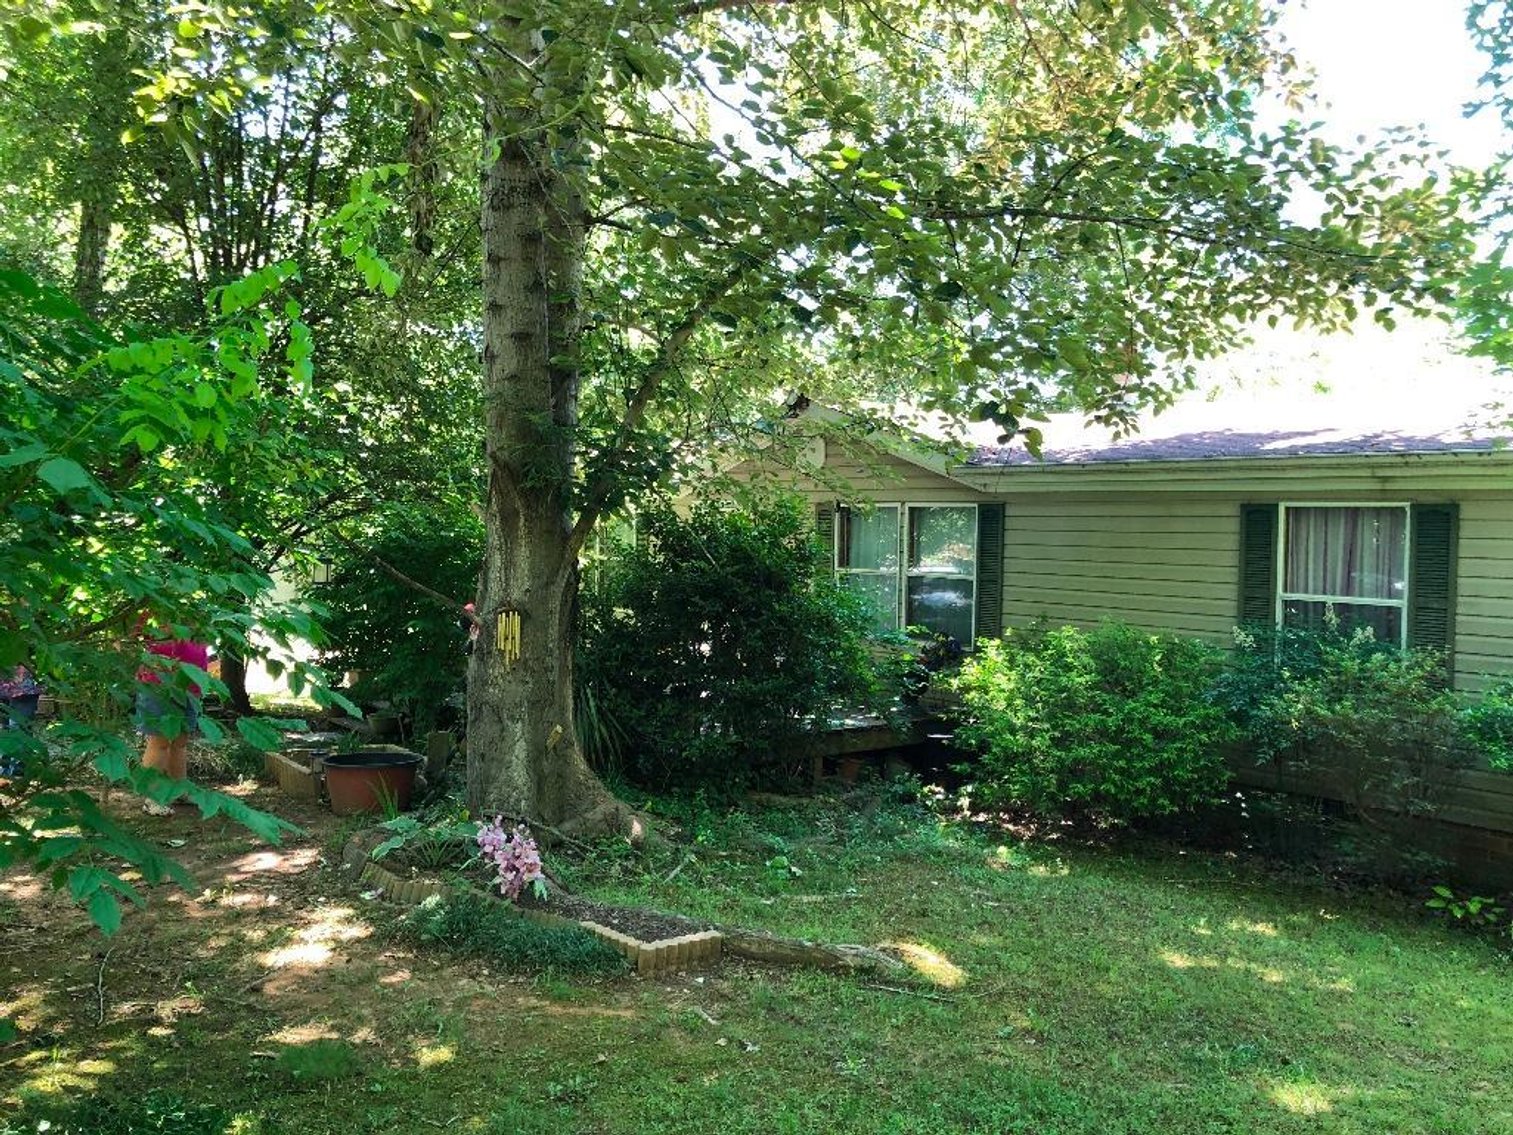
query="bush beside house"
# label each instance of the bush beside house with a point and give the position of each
(1123, 725)
(1112, 723)
(712, 646)
(405, 645)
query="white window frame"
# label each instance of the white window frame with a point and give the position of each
(907, 573)
(1284, 596)
(904, 572)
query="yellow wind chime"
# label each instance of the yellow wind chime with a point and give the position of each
(508, 636)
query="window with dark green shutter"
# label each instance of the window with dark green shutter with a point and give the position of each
(1258, 564)
(1390, 567)
(824, 523)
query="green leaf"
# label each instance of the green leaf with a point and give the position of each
(84, 881)
(27, 453)
(64, 476)
(326, 698)
(58, 848)
(105, 912)
(259, 734)
(112, 766)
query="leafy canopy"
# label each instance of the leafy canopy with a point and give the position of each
(104, 518)
(989, 210)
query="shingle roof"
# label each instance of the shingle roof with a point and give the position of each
(1223, 443)
(1371, 393)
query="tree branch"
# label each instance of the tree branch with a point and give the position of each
(646, 389)
(392, 571)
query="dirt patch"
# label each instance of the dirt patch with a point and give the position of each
(643, 925)
(271, 943)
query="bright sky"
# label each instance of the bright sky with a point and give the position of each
(1377, 64)
(1386, 63)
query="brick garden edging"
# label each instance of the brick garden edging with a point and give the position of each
(687, 951)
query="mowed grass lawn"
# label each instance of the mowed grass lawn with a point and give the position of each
(1056, 988)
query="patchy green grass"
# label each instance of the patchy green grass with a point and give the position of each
(1056, 989)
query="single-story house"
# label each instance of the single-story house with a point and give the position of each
(1261, 505)
(1392, 504)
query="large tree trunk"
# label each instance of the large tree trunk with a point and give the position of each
(100, 160)
(523, 753)
(234, 674)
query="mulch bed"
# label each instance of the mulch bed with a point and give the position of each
(643, 925)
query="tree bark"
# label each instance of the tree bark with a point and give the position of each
(93, 243)
(234, 674)
(424, 173)
(100, 163)
(523, 752)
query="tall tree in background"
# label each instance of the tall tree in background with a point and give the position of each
(1486, 303)
(159, 225)
(985, 209)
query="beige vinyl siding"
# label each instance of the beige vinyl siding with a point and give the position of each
(1484, 593)
(1156, 544)
(857, 474)
(1169, 562)
(1169, 566)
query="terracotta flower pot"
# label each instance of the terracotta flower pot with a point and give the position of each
(370, 780)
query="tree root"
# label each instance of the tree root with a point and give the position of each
(773, 949)
(611, 817)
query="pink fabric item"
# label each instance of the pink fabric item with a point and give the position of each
(179, 650)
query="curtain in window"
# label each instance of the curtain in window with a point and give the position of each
(869, 540)
(867, 555)
(1356, 553)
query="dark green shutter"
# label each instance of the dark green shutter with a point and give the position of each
(989, 570)
(1258, 564)
(824, 526)
(1431, 576)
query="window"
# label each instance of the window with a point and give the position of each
(866, 559)
(941, 592)
(917, 563)
(1353, 559)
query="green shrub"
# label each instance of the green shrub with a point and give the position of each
(406, 644)
(1267, 661)
(1487, 725)
(493, 929)
(714, 644)
(1114, 723)
(1380, 723)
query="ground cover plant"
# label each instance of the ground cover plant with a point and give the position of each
(1052, 987)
